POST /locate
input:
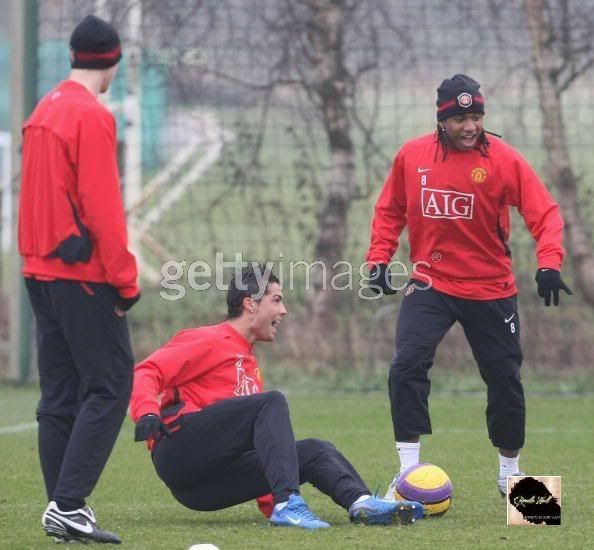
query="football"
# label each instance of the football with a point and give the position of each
(427, 484)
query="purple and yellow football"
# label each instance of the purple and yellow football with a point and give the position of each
(427, 484)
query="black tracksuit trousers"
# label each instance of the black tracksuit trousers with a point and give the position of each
(243, 448)
(85, 376)
(492, 328)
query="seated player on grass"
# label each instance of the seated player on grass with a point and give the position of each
(217, 440)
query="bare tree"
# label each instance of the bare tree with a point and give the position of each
(331, 53)
(561, 33)
(323, 58)
(329, 86)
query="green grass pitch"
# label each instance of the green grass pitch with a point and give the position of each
(131, 501)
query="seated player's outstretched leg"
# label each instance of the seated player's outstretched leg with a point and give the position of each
(251, 452)
(327, 469)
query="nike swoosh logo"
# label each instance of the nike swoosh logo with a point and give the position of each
(508, 320)
(421, 170)
(294, 521)
(85, 528)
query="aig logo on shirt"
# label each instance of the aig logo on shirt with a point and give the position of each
(447, 204)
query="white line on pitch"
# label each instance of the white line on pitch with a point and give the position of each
(18, 428)
(528, 430)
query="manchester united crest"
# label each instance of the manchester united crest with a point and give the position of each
(478, 175)
(465, 100)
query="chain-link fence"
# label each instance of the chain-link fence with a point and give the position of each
(266, 127)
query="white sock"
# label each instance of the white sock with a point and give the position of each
(362, 498)
(408, 453)
(508, 466)
(278, 507)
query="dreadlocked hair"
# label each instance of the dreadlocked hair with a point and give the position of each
(441, 139)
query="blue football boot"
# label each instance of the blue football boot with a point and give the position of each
(377, 511)
(296, 514)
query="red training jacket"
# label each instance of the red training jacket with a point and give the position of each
(69, 150)
(458, 217)
(198, 367)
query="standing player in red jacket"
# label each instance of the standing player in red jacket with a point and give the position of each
(453, 189)
(81, 279)
(218, 441)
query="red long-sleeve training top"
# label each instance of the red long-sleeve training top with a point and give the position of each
(198, 367)
(457, 211)
(69, 150)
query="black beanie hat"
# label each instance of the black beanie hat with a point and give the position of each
(95, 44)
(459, 95)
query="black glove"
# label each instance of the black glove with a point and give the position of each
(150, 425)
(381, 279)
(549, 281)
(127, 303)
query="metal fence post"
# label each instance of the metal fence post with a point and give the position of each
(25, 39)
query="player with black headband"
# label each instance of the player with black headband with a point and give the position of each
(454, 189)
(81, 280)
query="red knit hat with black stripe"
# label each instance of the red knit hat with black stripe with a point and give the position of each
(95, 44)
(459, 95)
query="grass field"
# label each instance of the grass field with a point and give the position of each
(133, 502)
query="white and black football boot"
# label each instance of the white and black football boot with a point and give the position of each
(76, 526)
(391, 492)
(502, 483)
